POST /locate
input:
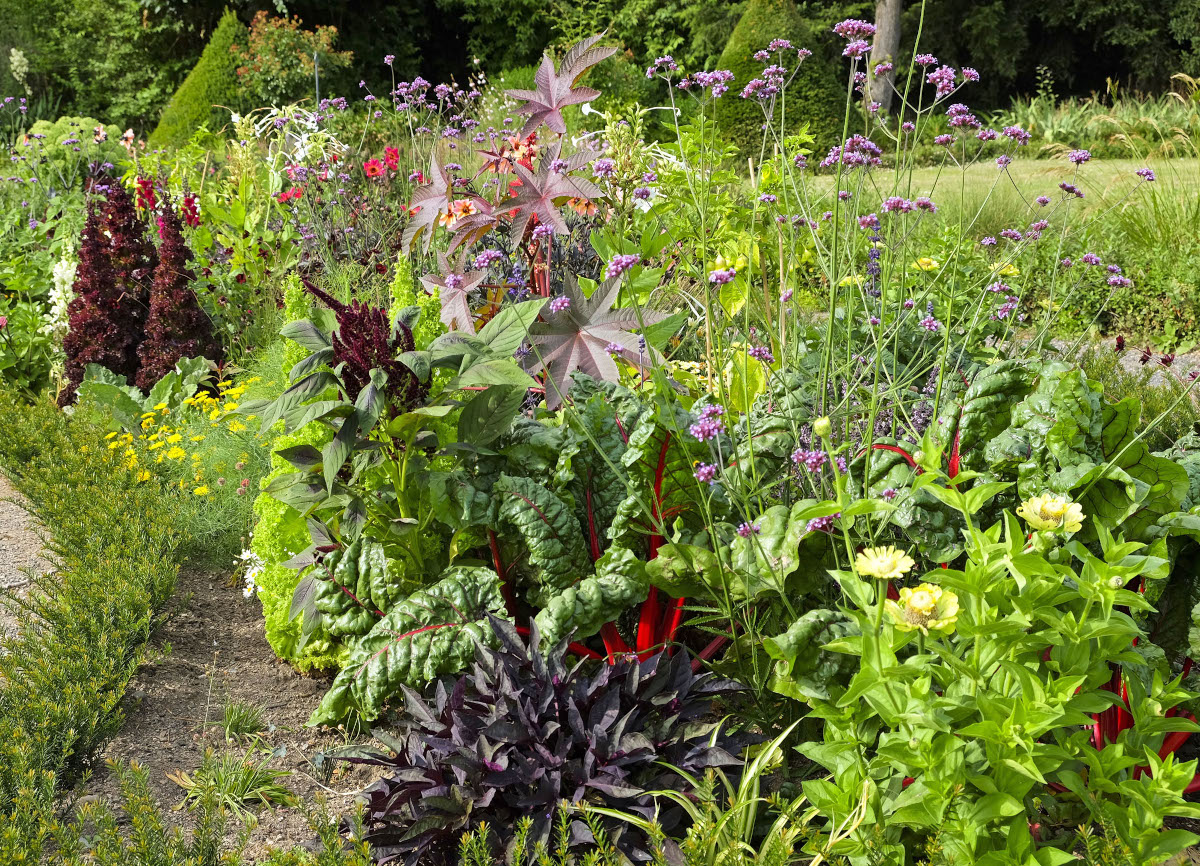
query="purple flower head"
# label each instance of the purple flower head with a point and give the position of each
(822, 524)
(987, 135)
(925, 60)
(1090, 259)
(929, 323)
(762, 353)
(908, 126)
(707, 428)
(810, 460)
(620, 264)
(883, 69)
(969, 74)
(454, 281)
(718, 81)
(909, 303)
(1043, 200)
(666, 62)
(389, 58)
(486, 258)
(706, 473)
(1078, 157)
(1011, 234)
(779, 45)
(604, 167)
(1146, 174)
(767, 198)
(925, 203)
(748, 529)
(542, 231)
(1113, 269)
(888, 494)
(1003, 160)
(987, 242)
(999, 288)
(642, 193)
(1039, 225)
(721, 277)
(1020, 136)
(1071, 189)
(1066, 263)
(870, 221)
(800, 161)
(854, 28)
(762, 56)
(614, 348)
(873, 320)
(785, 296)
(857, 48)
(1120, 282)
(857, 151)
(896, 204)
(942, 78)
(558, 166)
(944, 140)
(559, 304)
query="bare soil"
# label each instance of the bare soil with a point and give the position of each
(210, 650)
(21, 550)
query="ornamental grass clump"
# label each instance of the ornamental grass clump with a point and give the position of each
(525, 730)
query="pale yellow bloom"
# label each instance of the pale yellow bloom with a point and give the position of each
(176, 453)
(924, 607)
(174, 437)
(1009, 270)
(925, 263)
(1052, 512)
(885, 563)
(201, 491)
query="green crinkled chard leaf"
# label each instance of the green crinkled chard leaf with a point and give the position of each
(765, 561)
(549, 531)
(803, 671)
(362, 585)
(580, 610)
(432, 632)
(986, 408)
(592, 472)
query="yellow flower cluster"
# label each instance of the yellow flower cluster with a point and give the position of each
(167, 439)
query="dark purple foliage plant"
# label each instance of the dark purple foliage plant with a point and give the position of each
(522, 732)
(112, 291)
(176, 327)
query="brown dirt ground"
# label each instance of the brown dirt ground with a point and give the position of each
(213, 649)
(20, 550)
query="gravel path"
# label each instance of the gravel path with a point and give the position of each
(20, 549)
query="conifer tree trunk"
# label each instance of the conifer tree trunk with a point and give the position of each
(887, 44)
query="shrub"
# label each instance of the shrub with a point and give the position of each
(213, 82)
(614, 732)
(815, 95)
(62, 140)
(176, 327)
(108, 312)
(277, 58)
(114, 545)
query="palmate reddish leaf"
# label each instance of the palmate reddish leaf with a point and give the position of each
(429, 203)
(539, 193)
(554, 88)
(581, 336)
(472, 228)
(453, 284)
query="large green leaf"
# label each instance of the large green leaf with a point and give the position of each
(803, 670)
(580, 610)
(549, 533)
(362, 586)
(432, 632)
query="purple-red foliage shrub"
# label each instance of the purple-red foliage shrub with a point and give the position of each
(112, 288)
(364, 341)
(177, 327)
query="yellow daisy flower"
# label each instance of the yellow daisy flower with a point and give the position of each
(176, 453)
(1051, 512)
(924, 607)
(884, 563)
(925, 264)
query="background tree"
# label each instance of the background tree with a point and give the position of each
(886, 47)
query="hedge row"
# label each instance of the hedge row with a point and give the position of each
(115, 551)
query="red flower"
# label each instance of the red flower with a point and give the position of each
(189, 211)
(287, 195)
(145, 194)
(392, 157)
(373, 168)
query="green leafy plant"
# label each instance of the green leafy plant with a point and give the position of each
(235, 780)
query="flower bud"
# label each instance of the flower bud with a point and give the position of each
(822, 427)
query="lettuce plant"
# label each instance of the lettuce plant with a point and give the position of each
(524, 731)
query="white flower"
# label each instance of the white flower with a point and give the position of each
(254, 568)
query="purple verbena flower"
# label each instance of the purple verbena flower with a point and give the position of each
(559, 304)
(721, 277)
(706, 473)
(620, 264)
(748, 529)
(810, 460)
(854, 28)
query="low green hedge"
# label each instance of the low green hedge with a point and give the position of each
(115, 549)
